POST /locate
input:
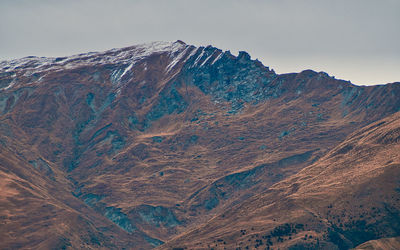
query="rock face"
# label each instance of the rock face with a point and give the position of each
(132, 147)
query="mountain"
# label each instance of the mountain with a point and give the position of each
(155, 143)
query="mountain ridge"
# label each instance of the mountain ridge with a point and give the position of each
(146, 48)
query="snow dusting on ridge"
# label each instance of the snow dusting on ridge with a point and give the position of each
(129, 55)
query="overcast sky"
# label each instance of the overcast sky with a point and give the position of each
(355, 40)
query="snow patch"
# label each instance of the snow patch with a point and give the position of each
(199, 57)
(208, 58)
(10, 85)
(176, 59)
(217, 58)
(126, 70)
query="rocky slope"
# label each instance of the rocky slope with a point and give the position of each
(144, 143)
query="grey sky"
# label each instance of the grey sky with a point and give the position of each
(356, 40)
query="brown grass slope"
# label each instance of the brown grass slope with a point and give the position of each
(349, 196)
(381, 244)
(38, 212)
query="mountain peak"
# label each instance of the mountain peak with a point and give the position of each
(244, 55)
(181, 42)
(156, 47)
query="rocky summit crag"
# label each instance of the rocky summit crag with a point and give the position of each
(170, 145)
